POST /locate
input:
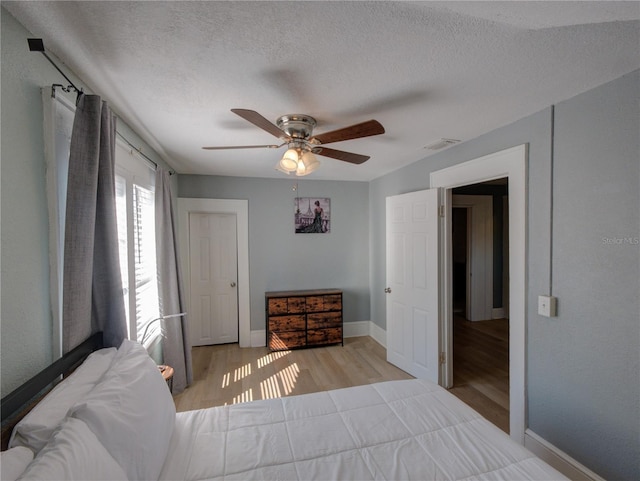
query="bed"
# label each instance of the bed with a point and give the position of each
(114, 419)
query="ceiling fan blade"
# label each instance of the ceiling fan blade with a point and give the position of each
(341, 155)
(259, 121)
(363, 129)
(229, 147)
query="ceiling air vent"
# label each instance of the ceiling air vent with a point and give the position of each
(441, 144)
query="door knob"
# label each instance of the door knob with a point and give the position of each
(233, 284)
(387, 290)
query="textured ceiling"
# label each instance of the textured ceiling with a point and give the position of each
(425, 70)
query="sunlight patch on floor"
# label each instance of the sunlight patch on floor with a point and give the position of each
(269, 388)
(281, 383)
(244, 397)
(225, 380)
(272, 356)
(289, 377)
(242, 372)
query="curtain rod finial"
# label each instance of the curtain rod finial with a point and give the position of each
(36, 45)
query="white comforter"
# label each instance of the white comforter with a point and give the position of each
(394, 430)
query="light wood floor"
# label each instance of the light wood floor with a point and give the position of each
(481, 367)
(226, 374)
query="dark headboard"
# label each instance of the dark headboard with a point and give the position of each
(16, 405)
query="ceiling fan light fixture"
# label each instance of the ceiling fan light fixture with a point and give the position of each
(309, 163)
(280, 169)
(289, 161)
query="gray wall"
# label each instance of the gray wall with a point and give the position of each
(583, 235)
(279, 259)
(25, 319)
(584, 365)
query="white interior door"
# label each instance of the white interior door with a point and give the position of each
(213, 262)
(480, 257)
(412, 231)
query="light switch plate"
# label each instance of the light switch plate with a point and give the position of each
(547, 306)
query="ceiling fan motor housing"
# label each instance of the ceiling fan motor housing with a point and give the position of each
(296, 126)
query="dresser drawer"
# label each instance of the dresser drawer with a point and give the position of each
(277, 305)
(332, 303)
(296, 304)
(287, 323)
(314, 303)
(324, 303)
(279, 341)
(324, 336)
(321, 320)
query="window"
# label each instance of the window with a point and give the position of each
(136, 239)
(134, 181)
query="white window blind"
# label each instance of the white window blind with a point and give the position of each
(136, 239)
(121, 209)
(147, 305)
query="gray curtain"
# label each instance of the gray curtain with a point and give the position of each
(176, 347)
(92, 285)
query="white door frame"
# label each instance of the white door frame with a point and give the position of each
(221, 206)
(510, 163)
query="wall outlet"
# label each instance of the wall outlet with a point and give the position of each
(547, 306)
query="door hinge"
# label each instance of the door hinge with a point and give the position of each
(443, 358)
(441, 210)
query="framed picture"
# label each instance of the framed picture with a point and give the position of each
(312, 215)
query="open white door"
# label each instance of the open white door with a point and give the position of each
(412, 225)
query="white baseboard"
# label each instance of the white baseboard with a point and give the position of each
(558, 459)
(378, 334)
(356, 329)
(259, 338)
(366, 328)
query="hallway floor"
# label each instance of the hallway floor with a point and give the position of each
(481, 367)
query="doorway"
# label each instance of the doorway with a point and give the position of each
(509, 163)
(480, 326)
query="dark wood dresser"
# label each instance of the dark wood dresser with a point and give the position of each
(309, 318)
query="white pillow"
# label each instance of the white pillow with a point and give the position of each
(13, 462)
(131, 412)
(74, 453)
(35, 429)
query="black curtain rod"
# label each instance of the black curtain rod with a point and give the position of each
(37, 45)
(139, 151)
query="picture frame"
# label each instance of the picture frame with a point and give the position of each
(312, 215)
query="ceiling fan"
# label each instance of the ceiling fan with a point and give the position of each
(296, 131)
